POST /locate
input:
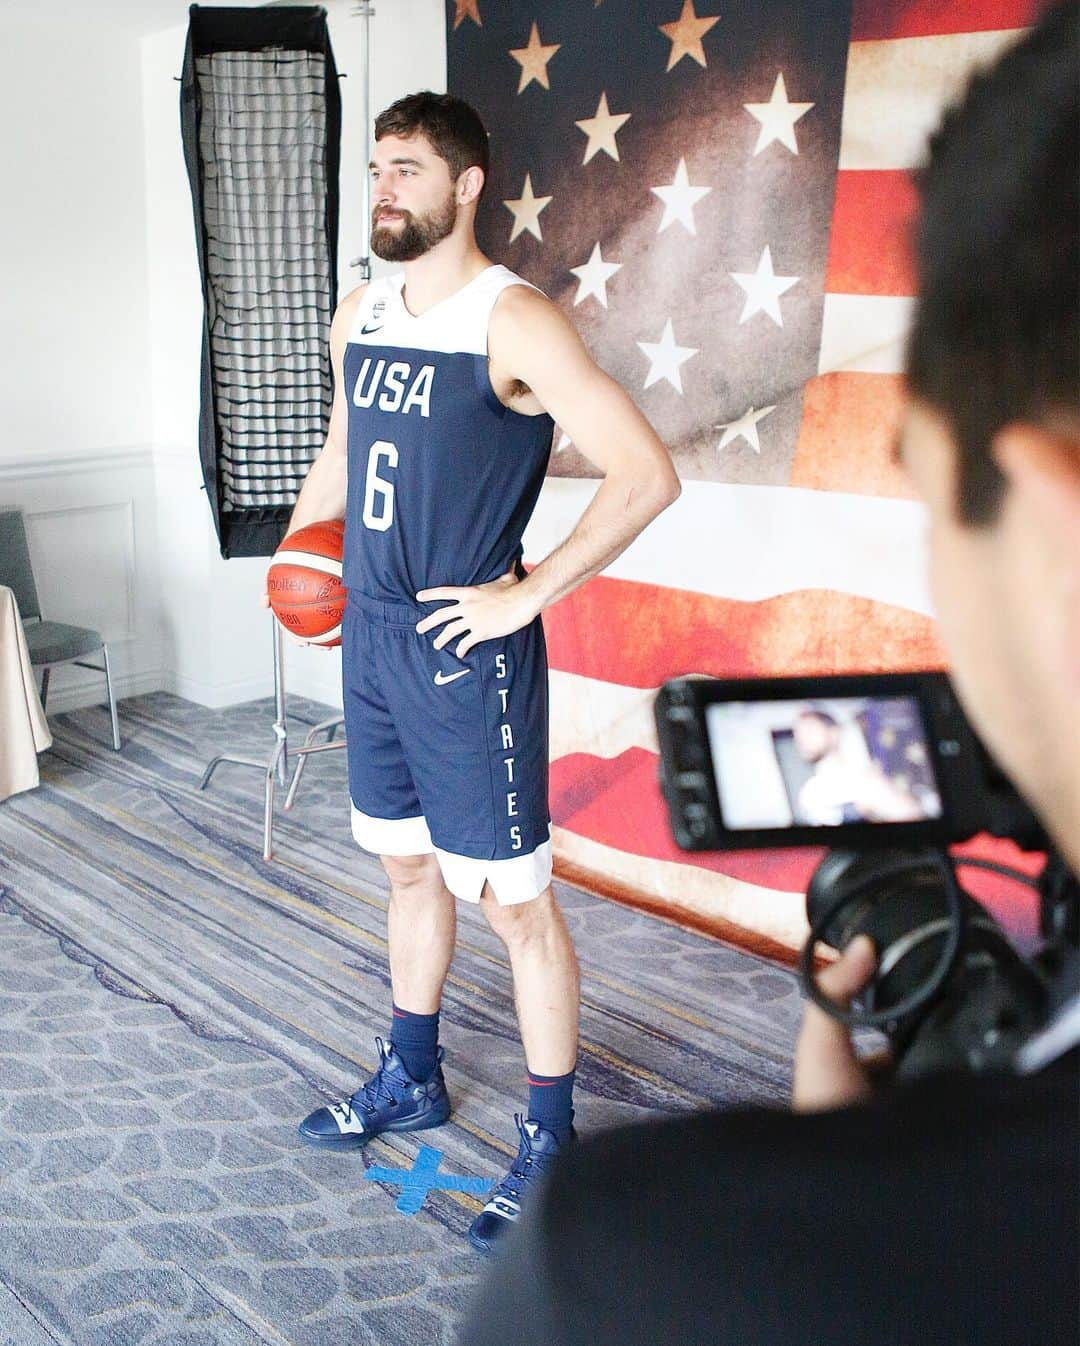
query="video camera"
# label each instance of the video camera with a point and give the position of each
(886, 770)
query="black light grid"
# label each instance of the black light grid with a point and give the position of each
(261, 124)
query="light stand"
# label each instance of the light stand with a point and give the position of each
(277, 764)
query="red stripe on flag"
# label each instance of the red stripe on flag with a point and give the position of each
(875, 19)
(869, 245)
(618, 803)
(849, 426)
(640, 634)
(1016, 907)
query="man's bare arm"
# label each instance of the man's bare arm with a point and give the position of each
(531, 341)
(539, 346)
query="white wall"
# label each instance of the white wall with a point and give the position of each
(100, 343)
(74, 349)
(206, 593)
(74, 377)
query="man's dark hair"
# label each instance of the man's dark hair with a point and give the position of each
(996, 336)
(451, 127)
(817, 713)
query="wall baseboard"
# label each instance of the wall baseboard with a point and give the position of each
(89, 690)
(217, 695)
(325, 692)
(72, 688)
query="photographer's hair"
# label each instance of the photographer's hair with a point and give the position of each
(451, 127)
(996, 336)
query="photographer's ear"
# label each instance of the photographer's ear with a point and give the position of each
(1041, 464)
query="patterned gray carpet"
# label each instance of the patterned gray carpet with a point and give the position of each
(171, 1006)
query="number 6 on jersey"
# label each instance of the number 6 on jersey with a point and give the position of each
(378, 492)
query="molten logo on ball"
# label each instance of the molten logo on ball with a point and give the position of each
(304, 582)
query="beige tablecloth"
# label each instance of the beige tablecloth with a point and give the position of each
(23, 728)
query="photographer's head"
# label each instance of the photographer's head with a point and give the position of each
(992, 436)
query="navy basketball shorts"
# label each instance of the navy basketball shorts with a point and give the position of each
(446, 755)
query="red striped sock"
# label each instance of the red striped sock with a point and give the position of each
(551, 1103)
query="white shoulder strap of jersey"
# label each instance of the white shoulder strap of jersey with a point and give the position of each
(376, 299)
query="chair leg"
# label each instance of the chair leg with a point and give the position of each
(112, 700)
(45, 686)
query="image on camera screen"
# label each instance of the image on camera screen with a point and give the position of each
(822, 762)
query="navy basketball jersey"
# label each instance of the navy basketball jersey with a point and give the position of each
(442, 476)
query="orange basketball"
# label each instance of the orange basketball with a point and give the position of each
(304, 583)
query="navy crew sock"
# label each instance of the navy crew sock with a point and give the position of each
(415, 1038)
(551, 1103)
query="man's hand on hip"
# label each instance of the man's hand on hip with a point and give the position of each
(482, 612)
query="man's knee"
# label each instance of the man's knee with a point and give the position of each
(412, 875)
(522, 923)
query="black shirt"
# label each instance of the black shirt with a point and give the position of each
(947, 1213)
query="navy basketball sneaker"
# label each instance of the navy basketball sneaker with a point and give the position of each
(390, 1101)
(535, 1155)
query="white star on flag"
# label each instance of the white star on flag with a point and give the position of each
(763, 289)
(594, 276)
(665, 357)
(744, 428)
(602, 130)
(533, 60)
(777, 117)
(679, 200)
(526, 211)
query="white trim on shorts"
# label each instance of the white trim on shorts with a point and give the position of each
(391, 836)
(518, 879)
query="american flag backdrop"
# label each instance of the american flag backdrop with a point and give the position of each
(718, 193)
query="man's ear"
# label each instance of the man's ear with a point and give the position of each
(469, 185)
(1042, 467)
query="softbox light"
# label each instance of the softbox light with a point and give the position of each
(260, 118)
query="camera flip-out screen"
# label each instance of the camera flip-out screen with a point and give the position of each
(822, 762)
(883, 759)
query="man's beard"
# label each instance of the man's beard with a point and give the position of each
(416, 235)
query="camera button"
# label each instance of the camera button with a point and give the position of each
(680, 714)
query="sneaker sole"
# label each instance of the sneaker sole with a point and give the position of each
(484, 1249)
(357, 1141)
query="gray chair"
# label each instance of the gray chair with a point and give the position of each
(49, 643)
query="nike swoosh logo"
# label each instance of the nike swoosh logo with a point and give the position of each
(367, 331)
(441, 678)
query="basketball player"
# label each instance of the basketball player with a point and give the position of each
(846, 784)
(449, 377)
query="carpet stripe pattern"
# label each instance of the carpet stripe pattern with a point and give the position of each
(172, 1005)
